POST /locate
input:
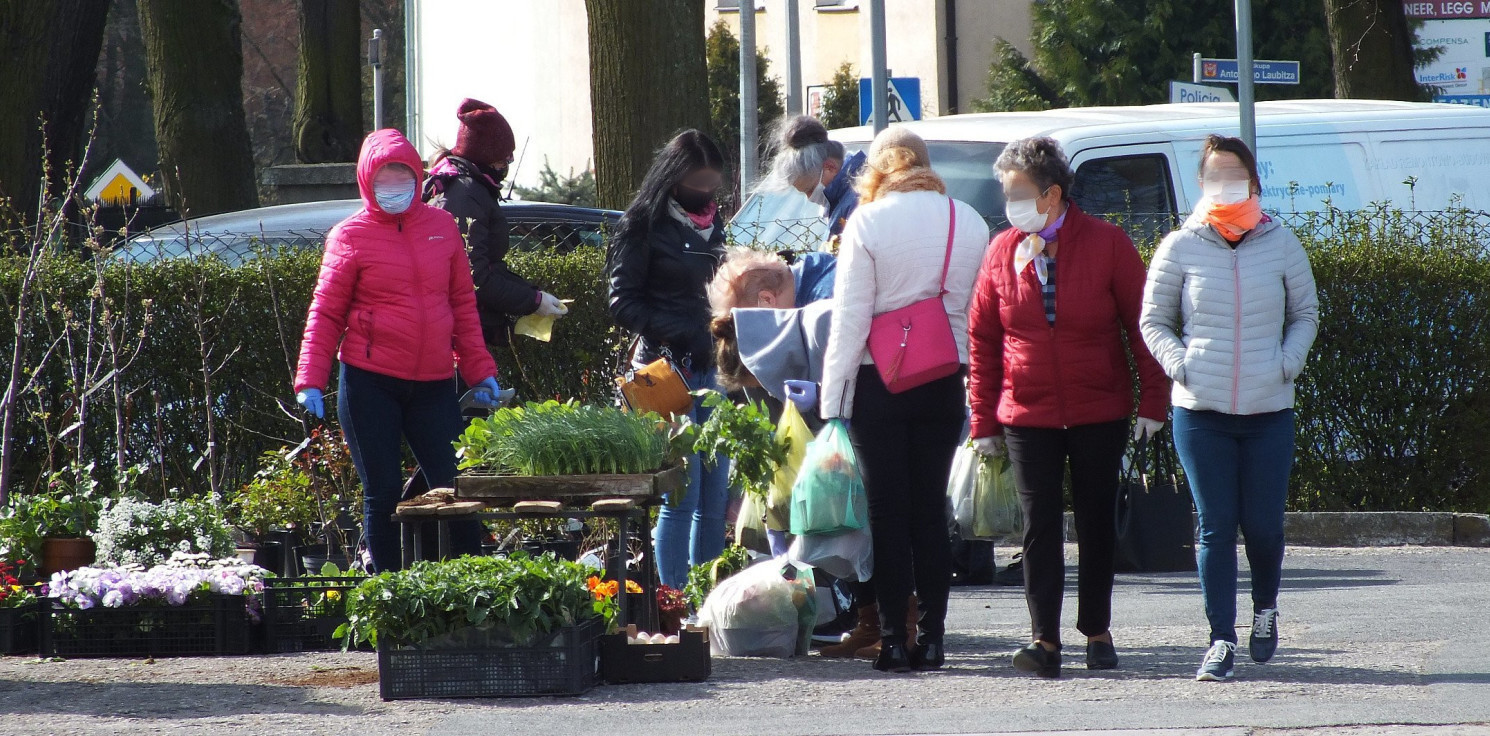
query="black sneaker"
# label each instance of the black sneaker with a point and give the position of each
(1012, 575)
(1264, 641)
(1219, 664)
(1101, 655)
(1038, 660)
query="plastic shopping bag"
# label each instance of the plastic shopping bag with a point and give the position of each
(828, 496)
(846, 555)
(760, 612)
(996, 500)
(792, 429)
(750, 525)
(961, 487)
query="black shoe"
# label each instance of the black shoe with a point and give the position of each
(1264, 640)
(929, 657)
(1219, 664)
(893, 658)
(1101, 655)
(1038, 660)
(1012, 575)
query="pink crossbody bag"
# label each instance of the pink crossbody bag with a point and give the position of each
(914, 345)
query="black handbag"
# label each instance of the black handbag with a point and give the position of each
(1155, 516)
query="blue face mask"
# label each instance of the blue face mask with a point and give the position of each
(394, 199)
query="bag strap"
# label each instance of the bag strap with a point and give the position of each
(951, 231)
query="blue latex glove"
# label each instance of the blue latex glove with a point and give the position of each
(802, 393)
(311, 399)
(486, 393)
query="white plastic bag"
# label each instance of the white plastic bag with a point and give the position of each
(846, 555)
(757, 612)
(962, 487)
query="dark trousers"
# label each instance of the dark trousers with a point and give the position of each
(904, 445)
(1238, 468)
(377, 414)
(1094, 453)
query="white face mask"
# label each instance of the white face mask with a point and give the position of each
(819, 195)
(1227, 192)
(1024, 216)
(394, 199)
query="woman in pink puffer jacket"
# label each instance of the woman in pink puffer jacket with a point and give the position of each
(395, 292)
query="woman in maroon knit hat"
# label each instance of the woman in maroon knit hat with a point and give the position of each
(466, 181)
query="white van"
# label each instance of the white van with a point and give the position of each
(1139, 164)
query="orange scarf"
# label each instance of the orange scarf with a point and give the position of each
(1233, 221)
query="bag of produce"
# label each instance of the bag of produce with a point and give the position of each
(996, 500)
(750, 525)
(846, 555)
(759, 612)
(828, 496)
(792, 430)
(961, 487)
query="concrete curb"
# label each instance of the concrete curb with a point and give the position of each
(1376, 529)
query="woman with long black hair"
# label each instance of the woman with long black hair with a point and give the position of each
(666, 248)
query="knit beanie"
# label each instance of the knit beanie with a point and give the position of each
(485, 138)
(897, 136)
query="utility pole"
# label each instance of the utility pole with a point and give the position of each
(793, 60)
(879, 76)
(749, 107)
(375, 58)
(1246, 99)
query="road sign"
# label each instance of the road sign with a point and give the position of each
(815, 98)
(1187, 92)
(1263, 72)
(119, 185)
(904, 101)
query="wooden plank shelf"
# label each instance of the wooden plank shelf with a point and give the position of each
(571, 490)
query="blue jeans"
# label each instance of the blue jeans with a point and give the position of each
(692, 532)
(377, 413)
(1238, 468)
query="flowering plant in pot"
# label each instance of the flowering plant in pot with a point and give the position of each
(137, 532)
(53, 526)
(183, 579)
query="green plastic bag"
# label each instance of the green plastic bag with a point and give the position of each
(792, 429)
(828, 496)
(996, 509)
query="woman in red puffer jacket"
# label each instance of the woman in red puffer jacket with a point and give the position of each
(1049, 376)
(395, 292)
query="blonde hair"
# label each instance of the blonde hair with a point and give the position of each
(898, 161)
(743, 275)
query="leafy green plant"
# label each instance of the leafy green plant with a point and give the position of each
(704, 577)
(278, 498)
(744, 434)
(67, 508)
(565, 439)
(516, 598)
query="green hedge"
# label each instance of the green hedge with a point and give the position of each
(1393, 408)
(252, 317)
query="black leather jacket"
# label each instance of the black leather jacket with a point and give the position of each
(501, 295)
(659, 290)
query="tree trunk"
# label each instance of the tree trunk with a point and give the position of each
(328, 93)
(648, 81)
(1372, 44)
(51, 56)
(195, 74)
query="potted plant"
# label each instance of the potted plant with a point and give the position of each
(191, 604)
(439, 627)
(303, 613)
(19, 612)
(276, 510)
(53, 526)
(336, 494)
(142, 533)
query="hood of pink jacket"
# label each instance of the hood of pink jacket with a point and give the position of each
(380, 148)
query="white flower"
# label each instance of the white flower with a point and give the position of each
(113, 599)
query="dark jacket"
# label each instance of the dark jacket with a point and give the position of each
(658, 290)
(842, 199)
(474, 199)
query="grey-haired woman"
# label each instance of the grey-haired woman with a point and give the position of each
(817, 166)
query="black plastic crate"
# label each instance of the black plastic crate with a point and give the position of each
(216, 626)
(563, 664)
(303, 614)
(686, 661)
(20, 629)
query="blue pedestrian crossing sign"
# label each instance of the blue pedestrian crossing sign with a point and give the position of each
(903, 101)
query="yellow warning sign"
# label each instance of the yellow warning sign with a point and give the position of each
(119, 186)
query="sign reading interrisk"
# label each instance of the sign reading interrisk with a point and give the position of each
(1446, 9)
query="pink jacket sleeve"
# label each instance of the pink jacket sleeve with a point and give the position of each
(475, 363)
(327, 320)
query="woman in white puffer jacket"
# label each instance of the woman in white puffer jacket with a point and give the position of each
(1230, 311)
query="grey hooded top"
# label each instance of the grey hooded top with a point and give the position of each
(1231, 326)
(780, 345)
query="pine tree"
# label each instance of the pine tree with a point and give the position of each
(724, 92)
(841, 99)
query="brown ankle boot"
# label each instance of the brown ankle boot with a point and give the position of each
(865, 633)
(912, 620)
